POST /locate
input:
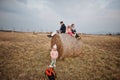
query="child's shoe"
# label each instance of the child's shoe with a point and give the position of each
(49, 36)
(78, 38)
(54, 65)
(50, 66)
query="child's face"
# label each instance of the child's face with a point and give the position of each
(54, 49)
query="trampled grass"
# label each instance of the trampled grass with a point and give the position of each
(25, 56)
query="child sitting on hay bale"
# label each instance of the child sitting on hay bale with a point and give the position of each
(74, 31)
(69, 31)
(54, 56)
(61, 30)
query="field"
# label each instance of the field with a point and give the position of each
(25, 56)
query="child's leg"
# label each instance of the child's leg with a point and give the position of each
(70, 33)
(53, 62)
(53, 33)
(77, 35)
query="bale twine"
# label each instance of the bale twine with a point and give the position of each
(67, 45)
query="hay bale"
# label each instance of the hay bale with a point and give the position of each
(67, 45)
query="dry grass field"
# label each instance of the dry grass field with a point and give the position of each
(25, 56)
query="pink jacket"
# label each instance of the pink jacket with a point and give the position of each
(68, 31)
(54, 54)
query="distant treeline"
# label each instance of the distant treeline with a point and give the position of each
(35, 33)
(9, 31)
(6, 31)
(113, 33)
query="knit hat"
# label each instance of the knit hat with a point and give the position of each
(55, 46)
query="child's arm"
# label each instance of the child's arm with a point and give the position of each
(51, 53)
(57, 54)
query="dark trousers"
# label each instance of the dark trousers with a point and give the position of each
(51, 77)
(76, 36)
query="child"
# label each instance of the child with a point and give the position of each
(61, 30)
(69, 31)
(74, 31)
(50, 72)
(54, 56)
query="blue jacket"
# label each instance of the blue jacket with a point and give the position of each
(63, 28)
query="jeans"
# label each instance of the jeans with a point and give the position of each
(53, 62)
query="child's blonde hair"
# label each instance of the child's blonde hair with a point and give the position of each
(55, 46)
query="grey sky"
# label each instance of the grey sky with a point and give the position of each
(89, 16)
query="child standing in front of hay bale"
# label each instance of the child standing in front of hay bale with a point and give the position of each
(54, 56)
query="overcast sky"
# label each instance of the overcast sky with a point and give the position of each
(89, 16)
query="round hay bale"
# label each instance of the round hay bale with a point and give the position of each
(67, 45)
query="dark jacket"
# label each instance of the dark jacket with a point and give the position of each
(63, 28)
(73, 31)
